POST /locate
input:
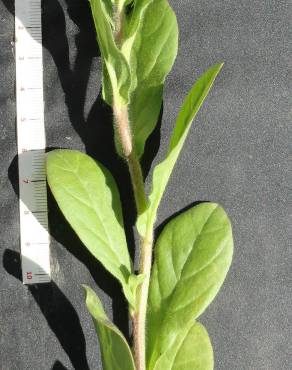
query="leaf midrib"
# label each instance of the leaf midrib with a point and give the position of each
(169, 297)
(150, 70)
(74, 173)
(164, 312)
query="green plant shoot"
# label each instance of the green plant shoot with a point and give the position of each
(138, 41)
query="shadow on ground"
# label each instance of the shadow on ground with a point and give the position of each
(61, 316)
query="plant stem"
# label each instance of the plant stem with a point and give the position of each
(118, 20)
(125, 137)
(138, 317)
(137, 182)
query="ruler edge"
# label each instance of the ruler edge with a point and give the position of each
(21, 204)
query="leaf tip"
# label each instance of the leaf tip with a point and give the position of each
(86, 290)
(218, 67)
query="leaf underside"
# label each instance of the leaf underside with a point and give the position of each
(115, 351)
(151, 57)
(191, 349)
(89, 199)
(192, 257)
(195, 352)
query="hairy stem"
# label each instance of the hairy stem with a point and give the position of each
(139, 318)
(123, 130)
(137, 182)
(125, 138)
(118, 21)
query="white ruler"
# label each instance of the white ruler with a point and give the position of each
(34, 236)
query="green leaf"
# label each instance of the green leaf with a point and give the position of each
(144, 113)
(147, 52)
(190, 349)
(115, 351)
(116, 76)
(192, 258)
(89, 199)
(162, 172)
(109, 10)
(151, 48)
(134, 282)
(196, 351)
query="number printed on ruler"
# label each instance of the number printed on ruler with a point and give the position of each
(34, 236)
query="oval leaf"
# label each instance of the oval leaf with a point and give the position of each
(89, 199)
(152, 54)
(162, 171)
(196, 351)
(115, 351)
(191, 350)
(192, 257)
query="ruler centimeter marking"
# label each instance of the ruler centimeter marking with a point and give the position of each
(31, 142)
